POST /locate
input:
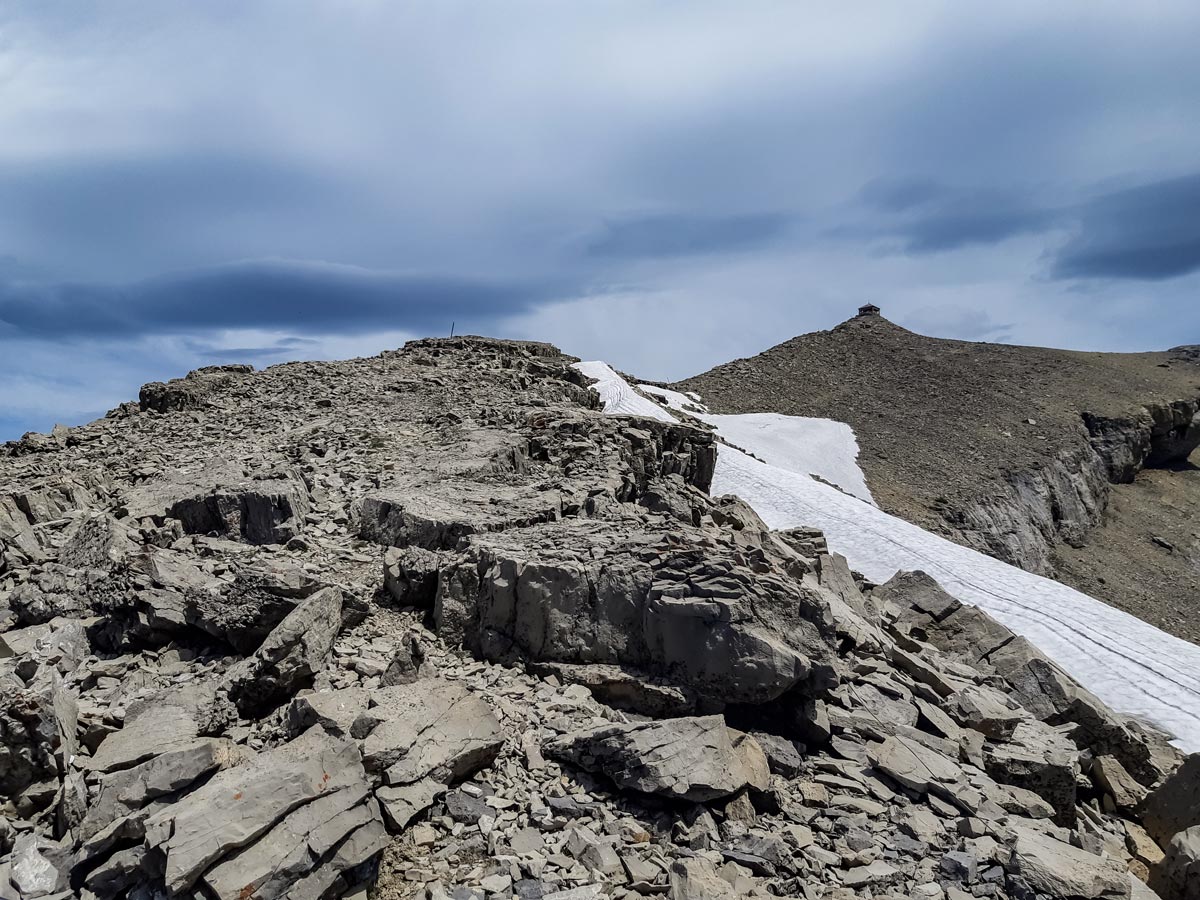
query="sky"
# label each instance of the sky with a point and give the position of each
(663, 185)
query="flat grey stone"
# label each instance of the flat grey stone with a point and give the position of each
(156, 730)
(427, 729)
(1056, 868)
(695, 758)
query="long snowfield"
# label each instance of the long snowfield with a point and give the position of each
(799, 471)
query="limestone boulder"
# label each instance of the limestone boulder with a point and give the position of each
(1054, 868)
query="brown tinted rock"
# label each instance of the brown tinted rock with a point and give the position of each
(239, 805)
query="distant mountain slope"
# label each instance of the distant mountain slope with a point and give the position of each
(1061, 462)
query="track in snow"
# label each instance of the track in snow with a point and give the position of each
(1130, 665)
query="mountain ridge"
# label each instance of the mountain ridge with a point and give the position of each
(1033, 455)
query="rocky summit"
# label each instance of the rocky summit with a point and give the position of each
(432, 625)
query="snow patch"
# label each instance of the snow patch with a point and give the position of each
(806, 446)
(618, 396)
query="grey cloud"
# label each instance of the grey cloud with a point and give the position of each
(926, 216)
(1150, 232)
(297, 297)
(902, 194)
(1146, 233)
(685, 235)
(275, 350)
(963, 323)
(121, 216)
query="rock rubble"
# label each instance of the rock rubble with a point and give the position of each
(451, 632)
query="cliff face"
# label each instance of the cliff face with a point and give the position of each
(1064, 499)
(1014, 451)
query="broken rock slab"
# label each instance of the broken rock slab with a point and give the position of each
(33, 869)
(401, 803)
(436, 516)
(223, 498)
(697, 879)
(1041, 760)
(298, 648)
(334, 710)
(923, 610)
(624, 688)
(915, 766)
(720, 631)
(695, 758)
(422, 736)
(1117, 783)
(238, 805)
(152, 731)
(268, 510)
(298, 846)
(126, 790)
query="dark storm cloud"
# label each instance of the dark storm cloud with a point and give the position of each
(929, 217)
(664, 236)
(897, 195)
(303, 298)
(268, 353)
(131, 215)
(1145, 233)
(1150, 232)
